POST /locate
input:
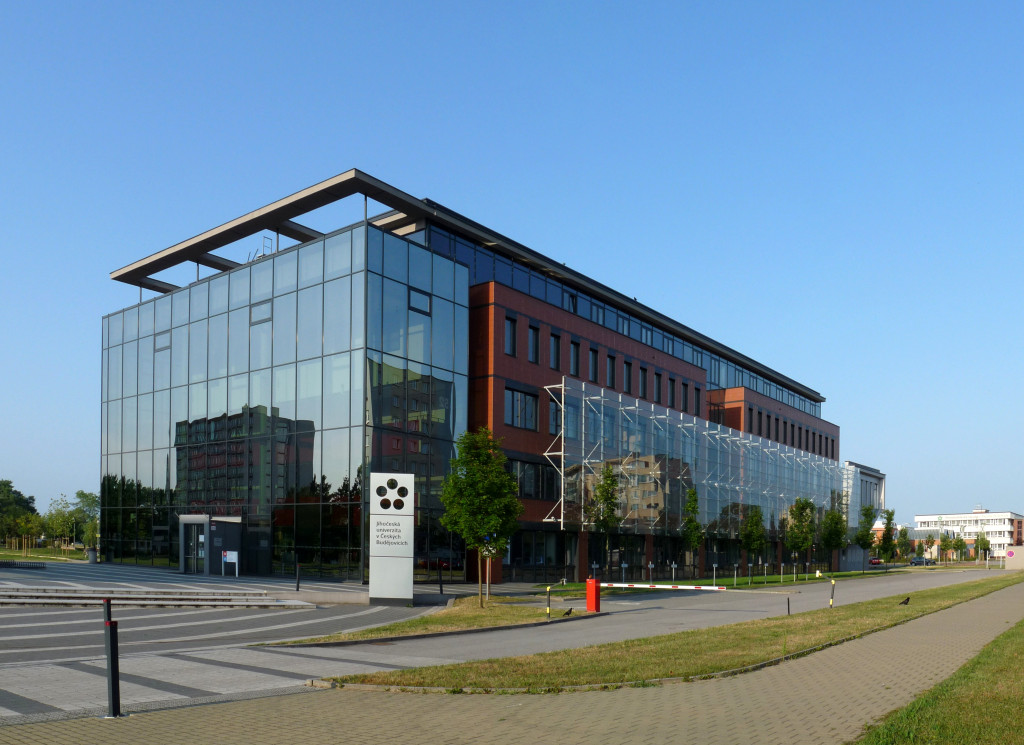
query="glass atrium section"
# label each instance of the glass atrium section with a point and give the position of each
(264, 393)
(659, 454)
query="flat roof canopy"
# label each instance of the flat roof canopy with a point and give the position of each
(279, 217)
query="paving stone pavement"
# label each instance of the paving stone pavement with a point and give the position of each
(826, 697)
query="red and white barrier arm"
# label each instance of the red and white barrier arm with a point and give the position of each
(661, 587)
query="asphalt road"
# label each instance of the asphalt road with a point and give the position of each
(52, 664)
(63, 634)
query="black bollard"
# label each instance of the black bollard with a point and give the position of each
(440, 578)
(113, 673)
(298, 567)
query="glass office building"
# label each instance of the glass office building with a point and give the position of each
(263, 396)
(265, 393)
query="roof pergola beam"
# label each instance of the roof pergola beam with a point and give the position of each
(216, 262)
(297, 232)
(148, 283)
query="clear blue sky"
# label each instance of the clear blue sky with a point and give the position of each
(834, 189)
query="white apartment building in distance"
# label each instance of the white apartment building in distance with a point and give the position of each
(1003, 529)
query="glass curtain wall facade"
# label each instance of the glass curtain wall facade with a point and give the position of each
(659, 454)
(265, 393)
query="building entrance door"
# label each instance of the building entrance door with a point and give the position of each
(195, 549)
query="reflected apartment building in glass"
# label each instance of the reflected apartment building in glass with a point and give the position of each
(266, 393)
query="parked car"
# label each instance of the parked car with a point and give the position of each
(922, 561)
(875, 560)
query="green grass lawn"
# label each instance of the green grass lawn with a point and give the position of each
(466, 613)
(979, 704)
(688, 654)
(42, 554)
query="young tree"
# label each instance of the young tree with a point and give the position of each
(692, 531)
(903, 543)
(959, 546)
(945, 546)
(753, 536)
(800, 531)
(886, 545)
(602, 510)
(833, 533)
(864, 538)
(480, 497)
(929, 542)
(59, 519)
(982, 545)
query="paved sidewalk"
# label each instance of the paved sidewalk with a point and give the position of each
(827, 697)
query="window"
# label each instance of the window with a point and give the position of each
(627, 377)
(510, 336)
(610, 372)
(686, 397)
(657, 388)
(696, 401)
(556, 352)
(671, 393)
(776, 429)
(750, 419)
(419, 301)
(533, 345)
(643, 383)
(520, 409)
(574, 358)
(592, 354)
(260, 313)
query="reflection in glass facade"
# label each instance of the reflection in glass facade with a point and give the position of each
(266, 392)
(660, 453)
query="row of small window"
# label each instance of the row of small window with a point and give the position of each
(792, 434)
(487, 266)
(644, 388)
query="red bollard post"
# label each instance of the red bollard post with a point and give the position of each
(593, 596)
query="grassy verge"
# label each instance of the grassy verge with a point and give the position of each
(979, 704)
(465, 614)
(41, 554)
(578, 589)
(686, 654)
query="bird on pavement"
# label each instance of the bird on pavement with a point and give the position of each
(567, 613)
(905, 601)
